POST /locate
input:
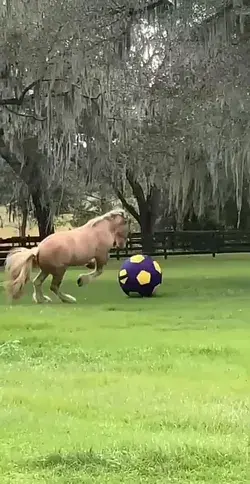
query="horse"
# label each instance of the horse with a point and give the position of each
(88, 246)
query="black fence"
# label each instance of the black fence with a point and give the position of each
(163, 244)
(188, 242)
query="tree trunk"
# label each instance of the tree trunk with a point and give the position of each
(147, 228)
(25, 211)
(148, 209)
(43, 215)
(31, 174)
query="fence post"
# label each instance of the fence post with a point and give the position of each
(214, 244)
(172, 241)
(165, 247)
(126, 250)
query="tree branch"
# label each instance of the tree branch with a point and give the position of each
(25, 115)
(17, 101)
(126, 204)
(136, 188)
(151, 6)
(84, 95)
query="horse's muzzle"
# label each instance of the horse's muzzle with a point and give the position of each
(121, 245)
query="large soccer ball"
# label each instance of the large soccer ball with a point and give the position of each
(140, 274)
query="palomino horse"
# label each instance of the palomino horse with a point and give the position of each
(88, 246)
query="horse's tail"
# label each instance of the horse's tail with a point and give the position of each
(18, 267)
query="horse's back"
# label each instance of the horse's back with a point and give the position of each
(66, 248)
(55, 251)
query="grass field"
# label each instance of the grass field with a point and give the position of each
(116, 390)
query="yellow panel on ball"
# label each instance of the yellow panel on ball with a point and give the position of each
(123, 281)
(137, 258)
(157, 266)
(123, 273)
(143, 277)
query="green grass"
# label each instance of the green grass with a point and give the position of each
(117, 390)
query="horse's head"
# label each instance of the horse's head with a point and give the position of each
(120, 225)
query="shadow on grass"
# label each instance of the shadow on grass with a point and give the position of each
(89, 461)
(179, 461)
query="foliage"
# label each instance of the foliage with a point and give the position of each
(128, 93)
(89, 207)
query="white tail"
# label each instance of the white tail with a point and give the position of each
(18, 267)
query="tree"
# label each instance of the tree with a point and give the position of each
(188, 102)
(138, 115)
(46, 85)
(212, 113)
(151, 114)
(51, 87)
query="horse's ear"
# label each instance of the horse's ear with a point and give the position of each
(125, 216)
(123, 213)
(117, 212)
(112, 216)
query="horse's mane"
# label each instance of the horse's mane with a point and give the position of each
(106, 216)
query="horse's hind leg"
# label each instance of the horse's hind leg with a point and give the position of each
(55, 285)
(38, 296)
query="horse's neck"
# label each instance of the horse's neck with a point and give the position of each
(105, 233)
(103, 230)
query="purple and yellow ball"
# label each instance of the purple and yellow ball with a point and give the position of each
(140, 274)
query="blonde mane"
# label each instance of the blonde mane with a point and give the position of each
(106, 216)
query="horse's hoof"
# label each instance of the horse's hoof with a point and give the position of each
(79, 281)
(47, 299)
(66, 298)
(37, 300)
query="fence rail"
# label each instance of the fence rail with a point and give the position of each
(163, 243)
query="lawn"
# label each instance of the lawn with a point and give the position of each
(117, 390)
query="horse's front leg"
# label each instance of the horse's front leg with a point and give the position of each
(91, 264)
(87, 278)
